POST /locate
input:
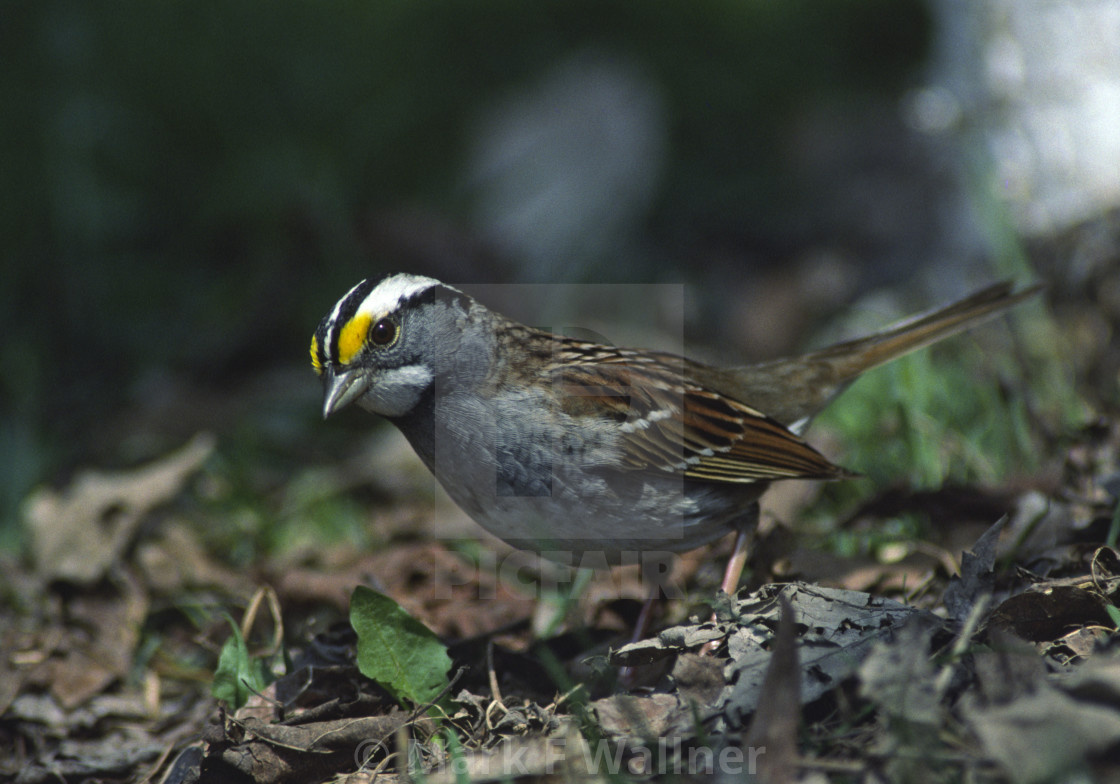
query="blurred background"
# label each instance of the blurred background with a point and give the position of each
(188, 187)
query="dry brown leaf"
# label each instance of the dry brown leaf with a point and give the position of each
(837, 629)
(175, 559)
(564, 756)
(1044, 733)
(640, 718)
(78, 533)
(1078, 644)
(899, 677)
(281, 753)
(96, 645)
(1037, 727)
(1048, 611)
(699, 679)
(977, 578)
(1097, 680)
(668, 642)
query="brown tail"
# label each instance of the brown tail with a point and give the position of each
(821, 375)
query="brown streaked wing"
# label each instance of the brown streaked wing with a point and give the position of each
(671, 425)
(744, 445)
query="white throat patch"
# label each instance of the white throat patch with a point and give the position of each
(397, 391)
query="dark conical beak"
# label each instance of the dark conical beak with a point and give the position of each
(342, 389)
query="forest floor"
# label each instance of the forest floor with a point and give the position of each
(985, 649)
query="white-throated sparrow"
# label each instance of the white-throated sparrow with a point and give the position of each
(567, 447)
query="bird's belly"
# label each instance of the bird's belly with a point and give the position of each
(566, 497)
(606, 521)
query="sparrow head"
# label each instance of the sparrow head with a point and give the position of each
(380, 344)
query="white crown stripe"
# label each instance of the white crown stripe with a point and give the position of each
(387, 295)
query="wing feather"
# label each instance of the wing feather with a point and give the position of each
(670, 424)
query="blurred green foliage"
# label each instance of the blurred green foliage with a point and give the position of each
(974, 410)
(182, 184)
(912, 413)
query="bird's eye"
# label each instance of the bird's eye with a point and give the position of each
(383, 332)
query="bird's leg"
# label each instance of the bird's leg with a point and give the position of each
(744, 527)
(655, 573)
(645, 615)
(628, 675)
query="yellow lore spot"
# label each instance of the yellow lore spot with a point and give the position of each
(315, 356)
(352, 338)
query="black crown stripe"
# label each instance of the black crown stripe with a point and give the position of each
(438, 292)
(346, 312)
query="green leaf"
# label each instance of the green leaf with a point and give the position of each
(238, 676)
(396, 650)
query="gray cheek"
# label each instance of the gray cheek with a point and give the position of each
(397, 391)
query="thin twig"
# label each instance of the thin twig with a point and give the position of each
(495, 692)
